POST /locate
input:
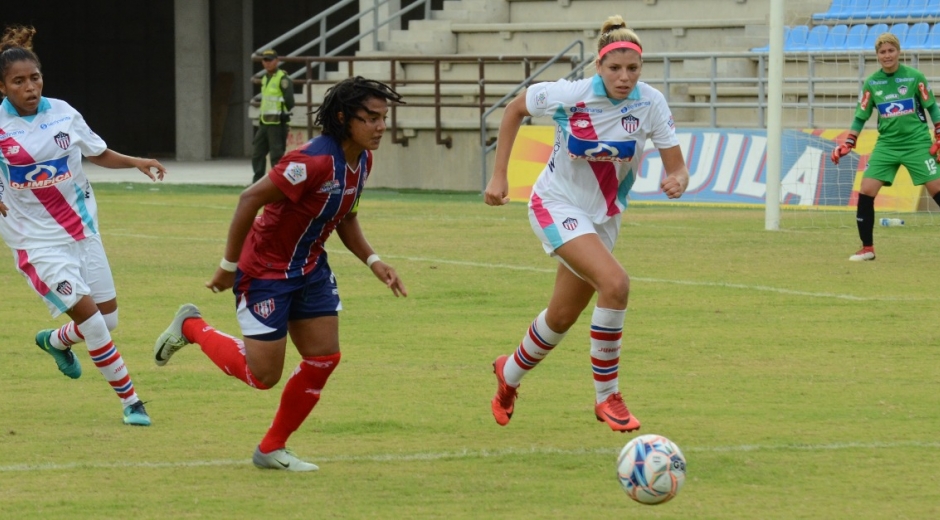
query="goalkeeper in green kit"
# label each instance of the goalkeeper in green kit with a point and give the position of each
(901, 95)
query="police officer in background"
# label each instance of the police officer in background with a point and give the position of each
(277, 100)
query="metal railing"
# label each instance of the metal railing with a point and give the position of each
(325, 32)
(440, 98)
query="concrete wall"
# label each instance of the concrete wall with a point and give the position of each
(193, 66)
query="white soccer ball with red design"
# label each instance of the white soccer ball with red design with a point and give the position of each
(651, 469)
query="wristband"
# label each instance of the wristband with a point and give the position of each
(936, 130)
(228, 266)
(850, 141)
(373, 258)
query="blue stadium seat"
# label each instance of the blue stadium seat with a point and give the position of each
(891, 9)
(842, 10)
(933, 39)
(917, 37)
(933, 8)
(816, 39)
(835, 40)
(855, 40)
(873, 33)
(874, 6)
(900, 30)
(917, 8)
(796, 40)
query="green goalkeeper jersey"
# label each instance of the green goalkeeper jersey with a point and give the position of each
(901, 99)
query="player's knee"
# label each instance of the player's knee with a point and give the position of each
(111, 320)
(617, 288)
(267, 381)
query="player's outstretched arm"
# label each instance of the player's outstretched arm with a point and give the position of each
(113, 160)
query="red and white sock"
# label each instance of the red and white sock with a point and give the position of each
(107, 358)
(66, 336)
(227, 352)
(538, 341)
(606, 336)
(301, 394)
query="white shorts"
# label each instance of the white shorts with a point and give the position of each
(556, 223)
(62, 275)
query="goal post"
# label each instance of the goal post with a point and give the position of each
(774, 116)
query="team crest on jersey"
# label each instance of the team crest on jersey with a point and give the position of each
(570, 223)
(64, 288)
(630, 124)
(295, 173)
(902, 89)
(62, 139)
(265, 308)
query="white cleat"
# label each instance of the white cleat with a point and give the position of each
(864, 254)
(281, 459)
(172, 338)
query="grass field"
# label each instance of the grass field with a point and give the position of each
(798, 384)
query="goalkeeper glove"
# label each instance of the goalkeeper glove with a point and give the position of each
(935, 148)
(843, 149)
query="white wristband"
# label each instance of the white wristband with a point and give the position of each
(228, 266)
(373, 258)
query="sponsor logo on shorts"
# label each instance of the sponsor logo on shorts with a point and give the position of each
(64, 288)
(264, 308)
(295, 173)
(570, 223)
(62, 139)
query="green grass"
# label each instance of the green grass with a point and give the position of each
(798, 384)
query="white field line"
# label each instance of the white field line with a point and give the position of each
(723, 285)
(471, 454)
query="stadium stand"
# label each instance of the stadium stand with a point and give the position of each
(815, 39)
(873, 33)
(917, 36)
(855, 39)
(900, 30)
(842, 10)
(835, 40)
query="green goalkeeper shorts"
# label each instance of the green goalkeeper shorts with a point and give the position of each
(883, 164)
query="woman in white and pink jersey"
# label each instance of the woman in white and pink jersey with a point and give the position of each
(603, 123)
(48, 217)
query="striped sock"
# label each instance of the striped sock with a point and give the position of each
(536, 344)
(66, 336)
(606, 335)
(227, 352)
(300, 395)
(107, 358)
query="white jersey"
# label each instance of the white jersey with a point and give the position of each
(598, 142)
(42, 183)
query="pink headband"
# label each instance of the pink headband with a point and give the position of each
(619, 45)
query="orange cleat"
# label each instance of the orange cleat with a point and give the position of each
(614, 412)
(504, 401)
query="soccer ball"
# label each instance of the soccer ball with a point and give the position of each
(651, 469)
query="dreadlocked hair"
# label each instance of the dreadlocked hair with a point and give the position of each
(347, 97)
(16, 44)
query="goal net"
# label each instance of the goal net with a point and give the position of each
(828, 54)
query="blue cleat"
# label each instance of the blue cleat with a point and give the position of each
(64, 359)
(136, 415)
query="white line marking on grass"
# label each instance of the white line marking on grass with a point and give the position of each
(760, 288)
(472, 454)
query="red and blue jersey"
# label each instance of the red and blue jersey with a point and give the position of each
(287, 239)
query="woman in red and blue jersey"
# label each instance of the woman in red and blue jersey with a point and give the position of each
(277, 265)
